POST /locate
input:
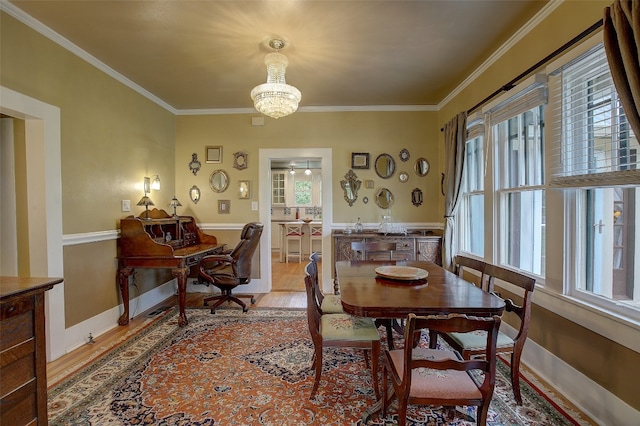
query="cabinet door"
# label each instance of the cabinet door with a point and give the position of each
(278, 188)
(429, 250)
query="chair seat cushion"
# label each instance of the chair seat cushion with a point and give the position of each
(436, 384)
(477, 340)
(347, 327)
(331, 304)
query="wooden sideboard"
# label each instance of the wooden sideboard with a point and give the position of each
(23, 357)
(420, 244)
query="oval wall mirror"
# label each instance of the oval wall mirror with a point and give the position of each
(421, 167)
(219, 181)
(350, 185)
(385, 166)
(384, 198)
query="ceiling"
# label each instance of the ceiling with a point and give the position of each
(204, 55)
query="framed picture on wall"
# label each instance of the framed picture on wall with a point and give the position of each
(359, 160)
(224, 206)
(213, 154)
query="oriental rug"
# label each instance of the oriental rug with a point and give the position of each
(232, 368)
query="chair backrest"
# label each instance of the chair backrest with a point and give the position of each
(313, 307)
(293, 229)
(361, 249)
(243, 253)
(447, 324)
(463, 263)
(315, 229)
(312, 270)
(524, 282)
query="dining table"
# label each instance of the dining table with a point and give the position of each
(391, 290)
(366, 293)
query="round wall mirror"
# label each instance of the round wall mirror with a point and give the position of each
(219, 181)
(404, 176)
(385, 166)
(384, 198)
(421, 167)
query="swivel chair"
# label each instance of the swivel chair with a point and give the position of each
(227, 271)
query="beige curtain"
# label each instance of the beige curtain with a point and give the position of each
(455, 142)
(622, 44)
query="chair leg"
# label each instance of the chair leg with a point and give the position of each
(318, 365)
(515, 376)
(375, 358)
(385, 392)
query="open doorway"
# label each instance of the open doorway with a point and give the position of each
(323, 157)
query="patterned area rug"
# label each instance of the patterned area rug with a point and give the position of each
(252, 369)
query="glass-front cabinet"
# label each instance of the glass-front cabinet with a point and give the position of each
(278, 188)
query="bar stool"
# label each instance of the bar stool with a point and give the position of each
(293, 234)
(315, 234)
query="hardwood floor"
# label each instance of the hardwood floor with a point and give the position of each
(287, 292)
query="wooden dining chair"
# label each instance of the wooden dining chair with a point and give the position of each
(472, 344)
(427, 376)
(464, 263)
(339, 331)
(329, 303)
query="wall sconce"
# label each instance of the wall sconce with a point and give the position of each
(150, 184)
(174, 203)
(155, 183)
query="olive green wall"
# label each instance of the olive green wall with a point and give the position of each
(111, 137)
(344, 133)
(578, 346)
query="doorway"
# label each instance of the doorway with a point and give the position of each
(265, 160)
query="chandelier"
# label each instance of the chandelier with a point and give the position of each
(276, 98)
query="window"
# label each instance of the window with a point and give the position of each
(470, 215)
(596, 162)
(521, 195)
(302, 190)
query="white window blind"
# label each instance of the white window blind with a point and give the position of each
(529, 94)
(596, 144)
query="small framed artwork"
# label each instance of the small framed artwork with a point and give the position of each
(244, 189)
(359, 160)
(368, 183)
(224, 206)
(213, 154)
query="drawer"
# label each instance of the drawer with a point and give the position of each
(16, 329)
(16, 306)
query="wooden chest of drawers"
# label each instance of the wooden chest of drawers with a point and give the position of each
(23, 362)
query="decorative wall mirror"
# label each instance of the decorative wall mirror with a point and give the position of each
(404, 176)
(240, 160)
(416, 196)
(385, 166)
(384, 198)
(194, 194)
(219, 181)
(421, 167)
(244, 189)
(404, 155)
(350, 185)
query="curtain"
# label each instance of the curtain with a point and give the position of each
(455, 141)
(622, 44)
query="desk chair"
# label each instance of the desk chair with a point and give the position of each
(227, 271)
(440, 377)
(471, 345)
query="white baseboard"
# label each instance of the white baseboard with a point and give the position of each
(78, 334)
(595, 401)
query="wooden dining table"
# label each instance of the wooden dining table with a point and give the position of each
(366, 294)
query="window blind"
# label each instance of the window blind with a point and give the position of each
(530, 94)
(596, 146)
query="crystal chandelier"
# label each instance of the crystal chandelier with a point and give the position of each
(276, 98)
